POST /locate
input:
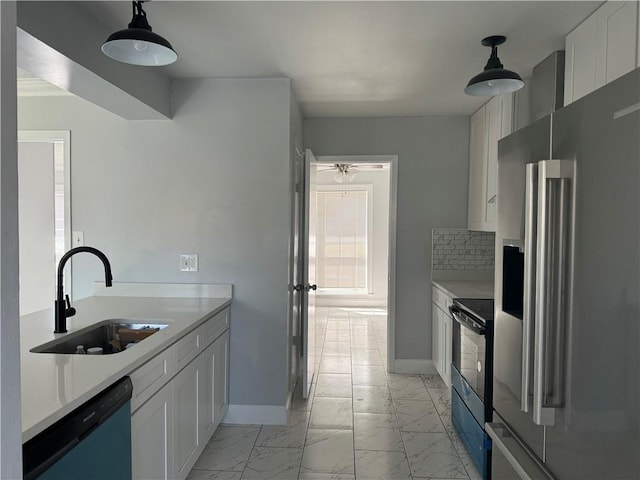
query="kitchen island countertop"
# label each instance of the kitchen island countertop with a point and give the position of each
(53, 385)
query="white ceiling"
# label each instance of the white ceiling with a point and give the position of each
(354, 59)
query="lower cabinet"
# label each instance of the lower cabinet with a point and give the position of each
(171, 429)
(221, 376)
(213, 396)
(186, 438)
(441, 334)
(151, 437)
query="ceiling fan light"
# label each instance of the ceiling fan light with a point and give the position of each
(138, 45)
(494, 79)
(344, 173)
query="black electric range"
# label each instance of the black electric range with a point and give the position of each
(472, 377)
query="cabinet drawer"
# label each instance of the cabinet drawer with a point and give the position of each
(186, 349)
(214, 327)
(150, 377)
(441, 299)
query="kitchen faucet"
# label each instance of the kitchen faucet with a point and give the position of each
(63, 304)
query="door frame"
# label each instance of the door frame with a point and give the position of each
(392, 160)
(64, 136)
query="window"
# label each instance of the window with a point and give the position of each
(343, 234)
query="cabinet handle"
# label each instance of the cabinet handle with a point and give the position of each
(492, 199)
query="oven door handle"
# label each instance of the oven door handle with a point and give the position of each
(466, 321)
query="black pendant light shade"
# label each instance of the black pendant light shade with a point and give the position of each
(138, 45)
(495, 79)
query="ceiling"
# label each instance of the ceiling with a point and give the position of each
(356, 59)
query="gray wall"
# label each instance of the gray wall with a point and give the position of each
(432, 192)
(212, 181)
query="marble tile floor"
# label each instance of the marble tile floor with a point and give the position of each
(358, 423)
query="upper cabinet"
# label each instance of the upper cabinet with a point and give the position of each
(489, 124)
(602, 48)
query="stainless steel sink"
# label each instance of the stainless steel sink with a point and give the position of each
(112, 335)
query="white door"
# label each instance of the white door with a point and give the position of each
(36, 207)
(307, 285)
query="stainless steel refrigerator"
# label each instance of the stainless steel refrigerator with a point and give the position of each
(567, 337)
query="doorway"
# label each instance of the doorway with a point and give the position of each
(44, 212)
(355, 259)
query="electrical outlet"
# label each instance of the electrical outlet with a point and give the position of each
(189, 263)
(77, 239)
(193, 263)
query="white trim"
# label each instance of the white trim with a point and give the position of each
(256, 415)
(391, 292)
(166, 290)
(415, 366)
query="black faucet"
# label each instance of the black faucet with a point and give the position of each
(63, 305)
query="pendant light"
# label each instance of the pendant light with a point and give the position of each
(138, 45)
(495, 79)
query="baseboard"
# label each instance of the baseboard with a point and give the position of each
(414, 365)
(256, 415)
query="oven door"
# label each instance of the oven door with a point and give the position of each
(469, 349)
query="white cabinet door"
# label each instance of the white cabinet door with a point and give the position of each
(618, 30)
(186, 386)
(151, 434)
(221, 377)
(602, 48)
(436, 339)
(494, 129)
(488, 125)
(207, 417)
(447, 348)
(581, 67)
(477, 173)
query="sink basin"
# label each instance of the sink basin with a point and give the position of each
(112, 335)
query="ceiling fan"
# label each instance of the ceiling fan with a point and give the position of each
(346, 172)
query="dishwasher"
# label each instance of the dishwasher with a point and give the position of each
(91, 442)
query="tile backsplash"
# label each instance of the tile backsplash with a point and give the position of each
(460, 249)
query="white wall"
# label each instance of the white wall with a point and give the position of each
(213, 181)
(432, 192)
(10, 409)
(379, 179)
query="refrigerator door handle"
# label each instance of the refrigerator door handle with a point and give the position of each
(556, 180)
(531, 199)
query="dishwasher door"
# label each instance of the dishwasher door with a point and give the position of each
(92, 442)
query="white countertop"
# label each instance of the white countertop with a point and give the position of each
(55, 384)
(464, 284)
